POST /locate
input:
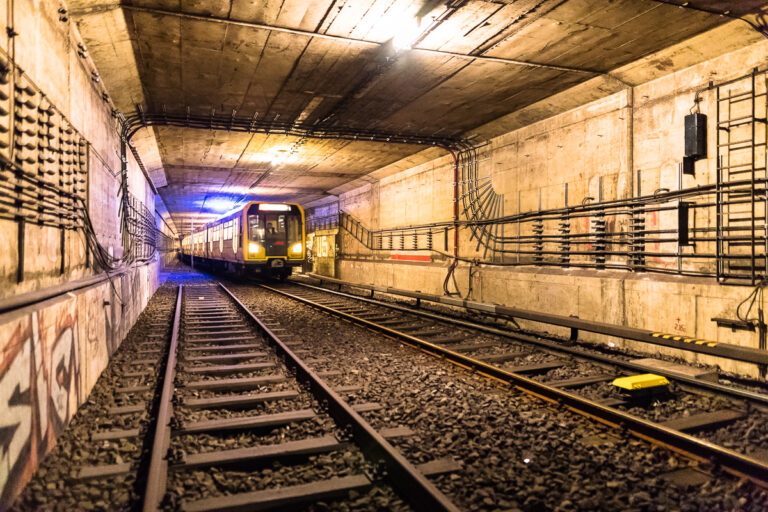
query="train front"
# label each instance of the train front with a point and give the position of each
(274, 238)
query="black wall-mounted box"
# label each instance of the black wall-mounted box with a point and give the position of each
(689, 165)
(696, 136)
(683, 212)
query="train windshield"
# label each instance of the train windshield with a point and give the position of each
(276, 231)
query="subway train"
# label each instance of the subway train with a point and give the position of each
(258, 238)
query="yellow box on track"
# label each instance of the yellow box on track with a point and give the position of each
(643, 381)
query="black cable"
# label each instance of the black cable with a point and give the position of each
(756, 295)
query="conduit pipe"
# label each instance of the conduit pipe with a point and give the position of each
(455, 261)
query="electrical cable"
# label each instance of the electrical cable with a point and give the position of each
(756, 295)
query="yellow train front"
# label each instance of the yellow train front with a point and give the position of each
(258, 238)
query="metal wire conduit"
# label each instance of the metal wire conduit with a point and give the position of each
(541, 239)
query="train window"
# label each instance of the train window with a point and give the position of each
(266, 228)
(294, 229)
(274, 227)
(255, 228)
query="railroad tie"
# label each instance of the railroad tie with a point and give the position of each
(247, 422)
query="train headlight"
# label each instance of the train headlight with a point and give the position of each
(254, 248)
(296, 248)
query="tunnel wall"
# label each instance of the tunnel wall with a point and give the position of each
(612, 138)
(52, 352)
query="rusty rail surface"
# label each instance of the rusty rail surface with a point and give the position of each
(547, 342)
(677, 341)
(158, 464)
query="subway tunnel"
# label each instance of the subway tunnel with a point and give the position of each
(383, 255)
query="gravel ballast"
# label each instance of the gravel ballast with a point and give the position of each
(516, 452)
(55, 484)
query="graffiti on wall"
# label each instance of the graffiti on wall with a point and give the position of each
(40, 389)
(50, 359)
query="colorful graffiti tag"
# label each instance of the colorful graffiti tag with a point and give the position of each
(50, 360)
(39, 389)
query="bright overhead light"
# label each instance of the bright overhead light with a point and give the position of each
(279, 156)
(218, 204)
(406, 31)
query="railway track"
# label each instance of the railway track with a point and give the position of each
(99, 461)
(566, 375)
(231, 376)
(244, 409)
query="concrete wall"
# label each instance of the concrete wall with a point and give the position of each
(610, 138)
(51, 353)
(46, 50)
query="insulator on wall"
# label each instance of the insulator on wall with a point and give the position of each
(599, 243)
(538, 245)
(565, 241)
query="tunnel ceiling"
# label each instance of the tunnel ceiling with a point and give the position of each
(161, 55)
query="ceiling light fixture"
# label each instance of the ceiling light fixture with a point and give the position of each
(407, 31)
(279, 155)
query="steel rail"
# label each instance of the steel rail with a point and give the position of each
(709, 347)
(406, 479)
(548, 343)
(157, 473)
(734, 463)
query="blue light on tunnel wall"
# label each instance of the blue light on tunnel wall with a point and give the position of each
(219, 204)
